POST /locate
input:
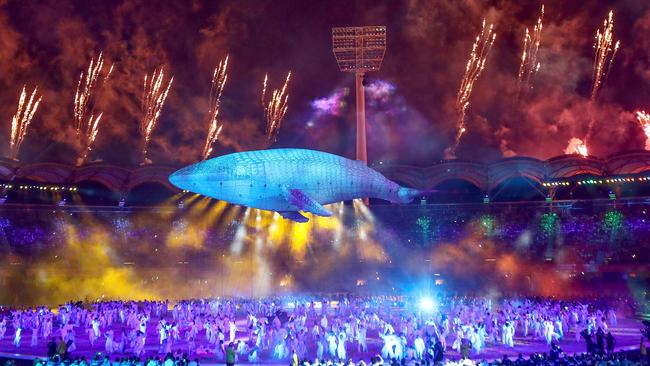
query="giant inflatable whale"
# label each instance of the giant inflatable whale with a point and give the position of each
(288, 181)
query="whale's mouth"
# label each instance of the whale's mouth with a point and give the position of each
(175, 181)
(183, 178)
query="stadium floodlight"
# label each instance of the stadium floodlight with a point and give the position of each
(359, 50)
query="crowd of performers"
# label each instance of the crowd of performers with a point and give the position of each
(284, 329)
(583, 359)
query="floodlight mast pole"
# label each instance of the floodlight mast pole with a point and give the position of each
(359, 50)
(362, 152)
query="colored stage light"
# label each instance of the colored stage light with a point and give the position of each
(427, 304)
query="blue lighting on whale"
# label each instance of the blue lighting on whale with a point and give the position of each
(288, 181)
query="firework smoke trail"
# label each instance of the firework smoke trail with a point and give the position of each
(644, 121)
(86, 123)
(604, 54)
(22, 119)
(530, 65)
(219, 78)
(474, 68)
(153, 100)
(276, 108)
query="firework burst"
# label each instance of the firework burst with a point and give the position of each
(22, 119)
(576, 146)
(644, 121)
(153, 100)
(276, 108)
(530, 64)
(86, 123)
(475, 66)
(219, 78)
(605, 50)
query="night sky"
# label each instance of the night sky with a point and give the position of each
(411, 114)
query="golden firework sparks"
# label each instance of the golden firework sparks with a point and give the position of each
(530, 64)
(86, 123)
(264, 84)
(604, 54)
(276, 108)
(644, 121)
(219, 78)
(475, 66)
(153, 100)
(21, 120)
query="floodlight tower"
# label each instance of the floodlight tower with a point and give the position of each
(359, 50)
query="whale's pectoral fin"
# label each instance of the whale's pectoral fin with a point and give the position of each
(303, 202)
(293, 216)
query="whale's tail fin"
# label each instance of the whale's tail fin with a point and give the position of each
(406, 195)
